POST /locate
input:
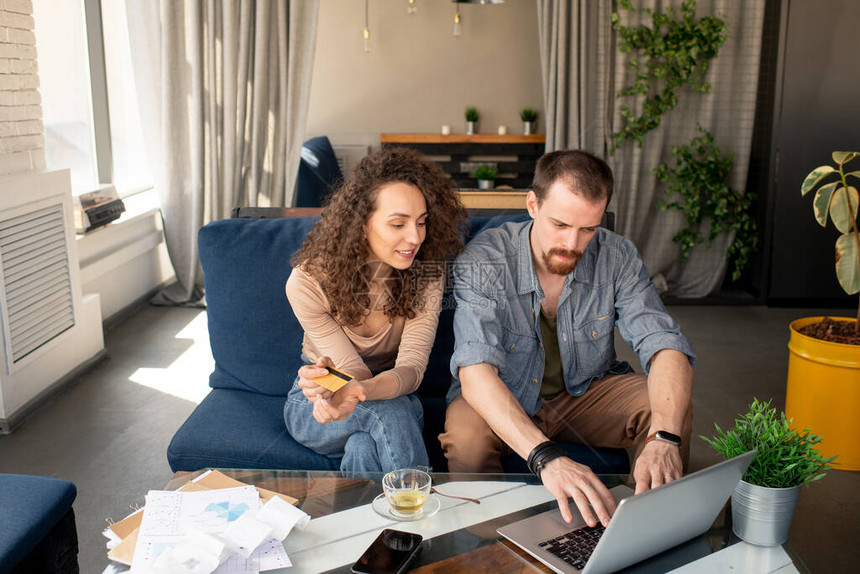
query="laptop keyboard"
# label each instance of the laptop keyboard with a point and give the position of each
(576, 546)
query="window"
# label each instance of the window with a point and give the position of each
(130, 165)
(89, 101)
(65, 88)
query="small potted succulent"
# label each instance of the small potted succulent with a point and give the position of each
(764, 500)
(529, 117)
(472, 116)
(486, 176)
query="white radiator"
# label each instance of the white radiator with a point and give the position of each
(36, 284)
(48, 327)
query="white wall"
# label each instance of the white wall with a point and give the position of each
(418, 76)
(125, 261)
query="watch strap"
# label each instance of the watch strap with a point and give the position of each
(661, 436)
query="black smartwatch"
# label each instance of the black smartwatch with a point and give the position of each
(665, 436)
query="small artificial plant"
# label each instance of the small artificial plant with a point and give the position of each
(785, 458)
(840, 201)
(528, 115)
(699, 188)
(485, 172)
(472, 114)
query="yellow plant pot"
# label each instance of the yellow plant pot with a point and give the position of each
(823, 393)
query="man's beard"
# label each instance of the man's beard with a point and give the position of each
(561, 267)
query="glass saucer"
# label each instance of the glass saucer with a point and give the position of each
(381, 507)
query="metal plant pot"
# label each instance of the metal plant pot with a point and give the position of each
(486, 184)
(762, 515)
(823, 392)
(529, 128)
(471, 128)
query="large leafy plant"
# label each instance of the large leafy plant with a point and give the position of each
(698, 188)
(840, 201)
(674, 51)
(785, 458)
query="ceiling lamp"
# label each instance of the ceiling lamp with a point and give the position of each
(411, 7)
(478, 1)
(457, 29)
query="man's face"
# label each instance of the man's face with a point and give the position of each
(563, 225)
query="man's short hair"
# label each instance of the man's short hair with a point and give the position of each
(585, 174)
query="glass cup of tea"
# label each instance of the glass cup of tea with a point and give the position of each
(406, 490)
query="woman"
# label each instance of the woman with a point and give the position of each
(367, 288)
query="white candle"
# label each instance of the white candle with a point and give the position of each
(446, 130)
(503, 130)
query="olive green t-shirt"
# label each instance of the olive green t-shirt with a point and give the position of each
(553, 376)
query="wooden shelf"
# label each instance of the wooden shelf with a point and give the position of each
(462, 138)
(459, 155)
(493, 199)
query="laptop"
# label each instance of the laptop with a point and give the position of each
(642, 526)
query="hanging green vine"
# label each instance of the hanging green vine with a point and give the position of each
(674, 51)
(699, 188)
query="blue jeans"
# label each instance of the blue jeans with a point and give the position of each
(379, 436)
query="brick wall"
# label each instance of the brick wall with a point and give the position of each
(22, 144)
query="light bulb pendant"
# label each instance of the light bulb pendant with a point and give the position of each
(412, 7)
(367, 39)
(457, 28)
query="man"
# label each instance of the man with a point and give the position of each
(534, 359)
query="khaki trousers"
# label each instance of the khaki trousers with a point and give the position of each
(614, 412)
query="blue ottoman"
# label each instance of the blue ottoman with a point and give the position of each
(37, 525)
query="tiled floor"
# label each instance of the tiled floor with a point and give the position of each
(108, 432)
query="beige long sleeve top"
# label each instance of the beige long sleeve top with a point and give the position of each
(398, 351)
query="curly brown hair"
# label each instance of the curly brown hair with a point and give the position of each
(337, 241)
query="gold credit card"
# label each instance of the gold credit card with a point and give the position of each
(334, 379)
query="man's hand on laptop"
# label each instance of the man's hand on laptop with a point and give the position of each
(565, 478)
(659, 463)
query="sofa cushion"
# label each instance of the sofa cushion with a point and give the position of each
(240, 429)
(268, 354)
(31, 507)
(255, 338)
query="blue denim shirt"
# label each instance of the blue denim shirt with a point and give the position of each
(497, 320)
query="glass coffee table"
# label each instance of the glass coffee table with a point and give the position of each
(461, 536)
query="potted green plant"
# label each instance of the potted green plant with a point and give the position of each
(486, 176)
(838, 200)
(824, 360)
(764, 500)
(529, 117)
(472, 116)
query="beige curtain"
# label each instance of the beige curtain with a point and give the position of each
(728, 113)
(223, 88)
(574, 42)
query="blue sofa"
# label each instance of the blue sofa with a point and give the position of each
(256, 343)
(37, 525)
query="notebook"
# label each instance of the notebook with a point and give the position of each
(642, 526)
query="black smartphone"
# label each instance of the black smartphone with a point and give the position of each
(391, 553)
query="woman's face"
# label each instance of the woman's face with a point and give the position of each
(398, 225)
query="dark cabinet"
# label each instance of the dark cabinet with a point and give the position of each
(459, 154)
